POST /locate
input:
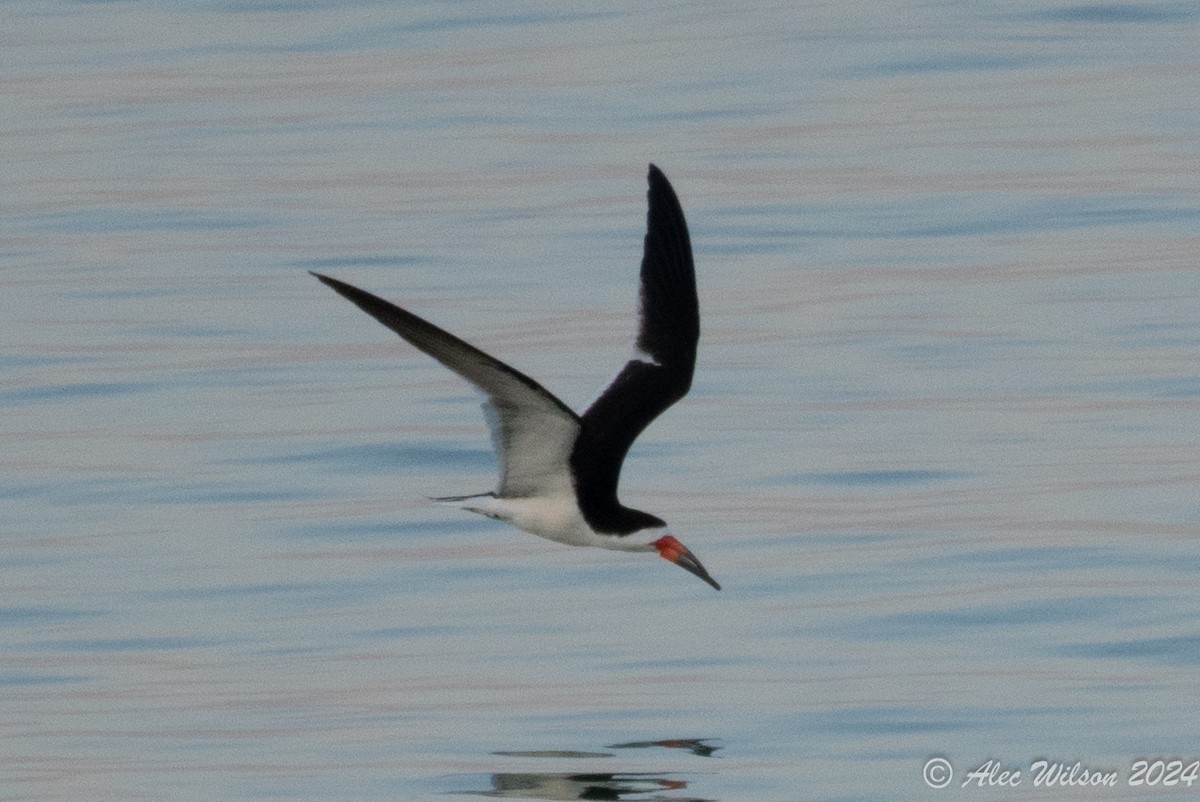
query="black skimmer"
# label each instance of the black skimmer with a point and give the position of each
(558, 470)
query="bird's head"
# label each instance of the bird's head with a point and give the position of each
(669, 548)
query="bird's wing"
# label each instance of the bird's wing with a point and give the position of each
(661, 374)
(532, 431)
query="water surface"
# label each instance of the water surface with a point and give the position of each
(941, 450)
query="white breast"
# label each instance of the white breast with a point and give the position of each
(554, 517)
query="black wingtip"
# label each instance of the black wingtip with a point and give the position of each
(341, 288)
(660, 187)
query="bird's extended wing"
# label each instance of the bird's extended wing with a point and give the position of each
(532, 431)
(667, 335)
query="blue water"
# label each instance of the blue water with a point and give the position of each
(941, 450)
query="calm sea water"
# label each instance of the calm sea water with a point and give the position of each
(942, 450)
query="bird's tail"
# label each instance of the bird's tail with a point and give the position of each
(457, 501)
(482, 503)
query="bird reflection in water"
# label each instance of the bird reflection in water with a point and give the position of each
(550, 785)
(641, 786)
(697, 746)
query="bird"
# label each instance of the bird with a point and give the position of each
(558, 470)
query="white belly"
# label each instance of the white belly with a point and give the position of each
(555, 518)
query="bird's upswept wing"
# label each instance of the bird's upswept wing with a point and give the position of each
(532, 431)
(668, 331)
